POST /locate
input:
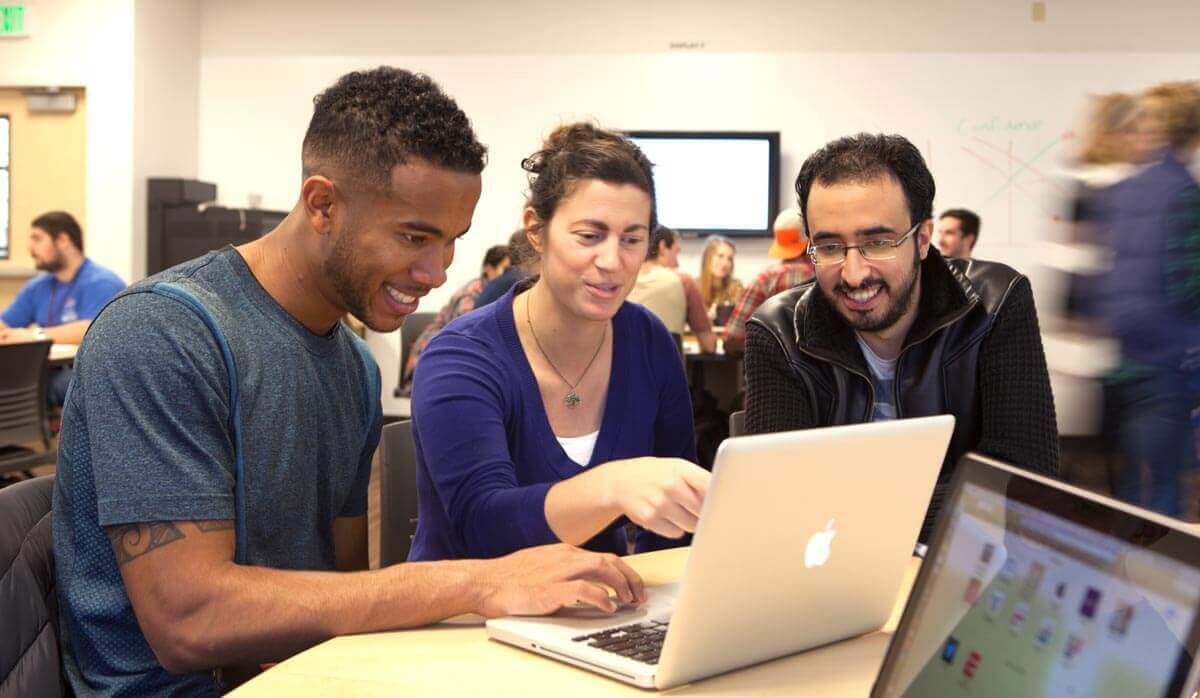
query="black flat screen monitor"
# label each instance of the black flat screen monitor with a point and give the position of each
(714, 182)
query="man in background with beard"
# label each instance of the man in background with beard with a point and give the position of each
(891, 329)
(211, 495)
(59, 304)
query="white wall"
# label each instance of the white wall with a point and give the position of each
(555, 27)
(166, 103)
(89, 44)
(993, 126)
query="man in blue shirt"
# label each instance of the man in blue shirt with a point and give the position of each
(60, 303)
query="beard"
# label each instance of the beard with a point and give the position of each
(901, 298)
(52, 265)
(353, 293)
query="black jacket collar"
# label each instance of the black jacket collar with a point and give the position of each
(946, 296)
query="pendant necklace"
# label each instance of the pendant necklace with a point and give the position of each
(572, 398)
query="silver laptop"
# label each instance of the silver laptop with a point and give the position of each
(1035, 588)
(803, 540)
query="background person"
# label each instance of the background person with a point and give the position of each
(1151, 304)
(672, 296)
(718, 287)
(795, 268)
(495, 262)
(957, 232)
(59, 304)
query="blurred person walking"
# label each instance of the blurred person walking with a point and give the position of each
(1151, 303)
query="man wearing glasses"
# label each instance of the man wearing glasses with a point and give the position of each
(890, 329)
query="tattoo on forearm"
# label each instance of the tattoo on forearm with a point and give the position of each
(219, 525)
(131, 541)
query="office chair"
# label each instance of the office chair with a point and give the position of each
(737, 423)
(30, 664)
(397, 492)
(23, 418)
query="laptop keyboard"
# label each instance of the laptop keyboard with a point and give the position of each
(641, 642)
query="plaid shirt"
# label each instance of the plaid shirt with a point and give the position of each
(776, 279)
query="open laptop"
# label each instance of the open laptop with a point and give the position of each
(803, 540)
(1036, 588)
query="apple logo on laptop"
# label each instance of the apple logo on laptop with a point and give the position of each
(816, 553)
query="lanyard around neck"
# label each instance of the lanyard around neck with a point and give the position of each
(55, 317)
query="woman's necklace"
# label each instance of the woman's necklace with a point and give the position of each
(572, 398)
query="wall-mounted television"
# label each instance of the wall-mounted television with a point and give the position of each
(724, 182)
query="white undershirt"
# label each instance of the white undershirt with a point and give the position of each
(883, 377)
(579, 448)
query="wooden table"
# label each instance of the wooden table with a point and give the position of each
(62, 354)
(456, 658)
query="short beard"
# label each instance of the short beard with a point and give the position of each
(339, 269)
(902, 301)
(53, 265)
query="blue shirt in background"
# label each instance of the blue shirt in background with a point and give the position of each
(49, 302)
(152, 431)
(486, 456)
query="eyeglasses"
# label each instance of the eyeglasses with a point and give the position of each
(874, 250)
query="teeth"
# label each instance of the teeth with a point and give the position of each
(400, 297)
(864, 295)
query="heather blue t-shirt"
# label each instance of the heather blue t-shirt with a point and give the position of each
(50, 302)
(152, 431)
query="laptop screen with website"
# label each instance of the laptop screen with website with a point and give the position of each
(1033, 591)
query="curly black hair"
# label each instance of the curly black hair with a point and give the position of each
(370, 121)
(864, 157)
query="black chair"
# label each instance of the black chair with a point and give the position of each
(412, 328)
(23, 419)
(397, 492)
(30, 664)
(737, 423)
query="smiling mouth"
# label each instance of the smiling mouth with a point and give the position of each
(863, 295)
(399, 297)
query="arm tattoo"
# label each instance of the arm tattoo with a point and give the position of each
(216, 525)
(134, 540)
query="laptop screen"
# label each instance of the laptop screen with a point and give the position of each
(1034, 591)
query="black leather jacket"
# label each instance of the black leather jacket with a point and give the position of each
(973, 351)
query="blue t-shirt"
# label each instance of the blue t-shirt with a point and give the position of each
(152, 431)
(486, 456)
(49, 302)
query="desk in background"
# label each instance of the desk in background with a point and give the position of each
(62, 354)
(456, 658)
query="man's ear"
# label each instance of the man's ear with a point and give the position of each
(316, 195)
(535, 230)
(925, 237)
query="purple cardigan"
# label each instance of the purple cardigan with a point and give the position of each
(486, 455)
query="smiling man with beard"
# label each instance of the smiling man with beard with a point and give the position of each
(211, 494)
(890, 329)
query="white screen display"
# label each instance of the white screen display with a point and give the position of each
(711, 183)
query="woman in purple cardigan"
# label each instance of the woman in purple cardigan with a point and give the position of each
(559, 412)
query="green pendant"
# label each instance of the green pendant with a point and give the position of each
(572, 399)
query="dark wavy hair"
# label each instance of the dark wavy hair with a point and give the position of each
(370, 121)
(968, 220)
(60, 223)
(864, 157)
(661, 235)
(580, 151)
